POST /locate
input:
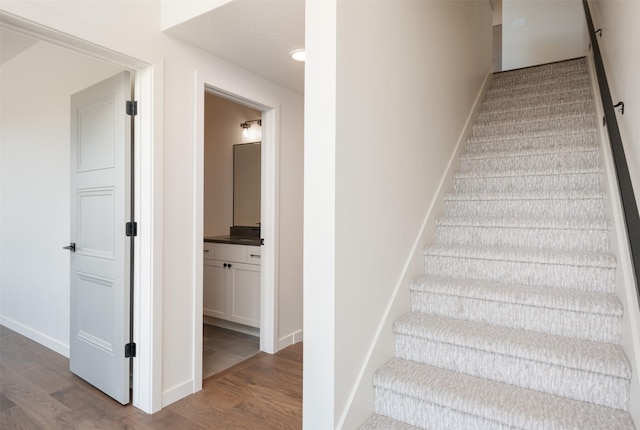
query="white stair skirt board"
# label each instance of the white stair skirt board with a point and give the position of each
(515, 323)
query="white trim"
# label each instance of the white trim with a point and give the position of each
(147, 367)
(147, 378)
(36, 336)
(269, 211)
(414, 261)
(176, 393)
(290, 339)
(198, 227)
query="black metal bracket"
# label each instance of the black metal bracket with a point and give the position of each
(131, 229)
(130, 350)
(599, 31)
(621, 106)
(132, 108)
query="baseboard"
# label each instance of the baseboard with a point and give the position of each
(359, 406)
(290, 339)
(229, 325)
(176, 393)
(36, 336)
(625, 275)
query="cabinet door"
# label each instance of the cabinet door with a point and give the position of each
(244, 294)
(214, 300)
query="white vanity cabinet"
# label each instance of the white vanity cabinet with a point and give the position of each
(231, 281)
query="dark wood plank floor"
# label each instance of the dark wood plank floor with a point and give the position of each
(37, 391)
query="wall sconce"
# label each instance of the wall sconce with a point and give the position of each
(249, 135)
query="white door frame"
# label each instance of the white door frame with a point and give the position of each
(269, 209)
(147, 318)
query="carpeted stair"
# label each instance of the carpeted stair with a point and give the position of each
(515, 324)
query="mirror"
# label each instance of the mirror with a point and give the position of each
(246, 184)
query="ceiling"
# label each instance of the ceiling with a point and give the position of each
(257, 35)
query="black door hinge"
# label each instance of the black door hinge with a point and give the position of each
(132, 108)
(130, 350)
(131, 229)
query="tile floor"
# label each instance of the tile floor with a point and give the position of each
(223, 348)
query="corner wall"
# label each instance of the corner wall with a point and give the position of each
(541, 31)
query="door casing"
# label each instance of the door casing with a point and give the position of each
(269, 211)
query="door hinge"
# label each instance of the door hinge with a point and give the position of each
(131, 229)
(132, 108)
(130, 350)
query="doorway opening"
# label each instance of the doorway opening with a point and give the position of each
(146, 384)
(231, 227)
(268, 114)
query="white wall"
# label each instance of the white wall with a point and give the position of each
(400, 102)
(554, 31)
(101, 23)
(622, 66)
(619, 48)
(221, 131)
(35, 88)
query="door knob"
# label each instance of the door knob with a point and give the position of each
(71, 247)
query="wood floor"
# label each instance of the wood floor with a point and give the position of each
(37, 391)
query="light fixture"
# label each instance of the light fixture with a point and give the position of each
(246, 130)
(298, 55)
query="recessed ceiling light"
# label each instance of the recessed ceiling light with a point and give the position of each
(298, 54)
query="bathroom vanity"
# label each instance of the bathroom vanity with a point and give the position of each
(231, 279)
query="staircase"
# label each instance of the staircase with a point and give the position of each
(515, 324)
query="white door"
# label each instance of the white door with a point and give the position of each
(100, 208)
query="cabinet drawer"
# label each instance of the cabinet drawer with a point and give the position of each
(207, 251)
(230, 252)
(253, 254)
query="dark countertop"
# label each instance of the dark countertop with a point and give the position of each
(236, 240)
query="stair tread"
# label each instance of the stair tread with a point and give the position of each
(538, 296)
(531, 134)
(528, 409)
(549, 118)
(556, 67)
(572, 78)
(479, 174)
(569, 107)
(380, 422)
(523, 255)
(569, 352)
(565, 149)
(546, 223)
(541, 99)
(527, 195)
(577, 138)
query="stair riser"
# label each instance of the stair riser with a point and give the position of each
(537, 90)
(581, 325)
(559, 110)
(557, 81)
(532, 101)
(483, 145)
(576, 384)
(533, 238)
(526, 273)
(551, 126)
(560, 182)
(559, 161)
(555, 209)
(501, 80)
(428, 415)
